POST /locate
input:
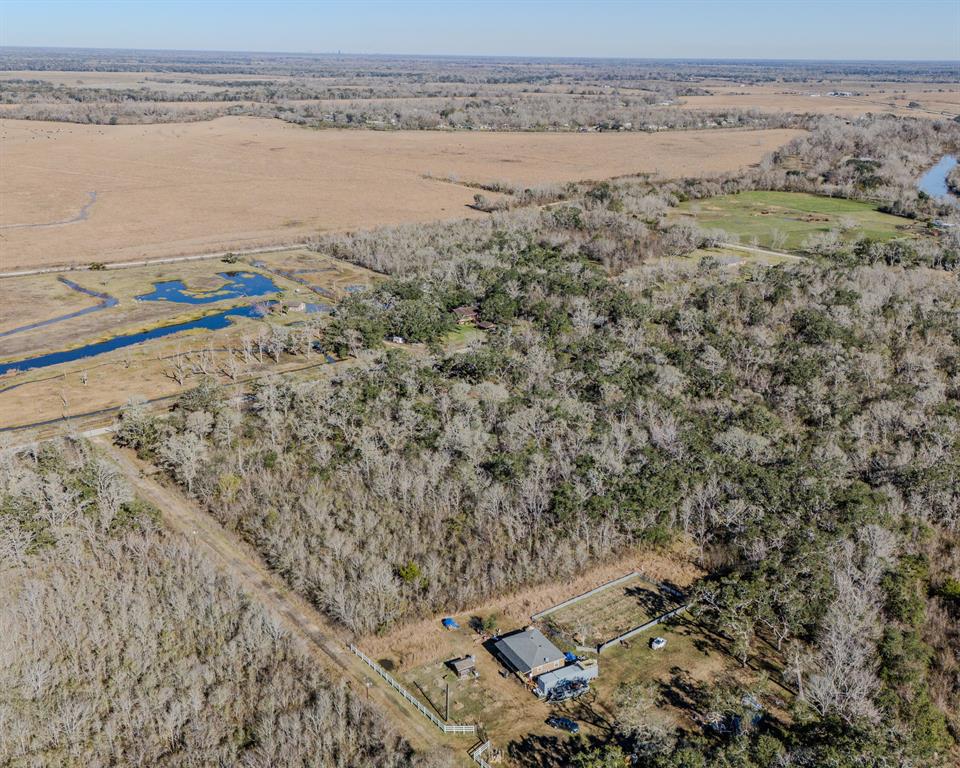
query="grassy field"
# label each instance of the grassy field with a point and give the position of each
(760, 215)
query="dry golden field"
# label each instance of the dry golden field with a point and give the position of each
(164, 190)
(936, 100)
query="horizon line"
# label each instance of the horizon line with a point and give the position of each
(478, 55)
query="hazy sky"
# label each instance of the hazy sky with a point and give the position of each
(810, 29)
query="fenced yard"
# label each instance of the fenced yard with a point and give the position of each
(470, 699)
(393, 683)
(601, 615)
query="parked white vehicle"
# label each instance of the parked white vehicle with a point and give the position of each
(657, 643)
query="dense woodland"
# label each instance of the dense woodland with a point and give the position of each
(797, 424)
(121, 645)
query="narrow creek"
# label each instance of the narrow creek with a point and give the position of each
(238, 285)
(106, 301)
(212, 322)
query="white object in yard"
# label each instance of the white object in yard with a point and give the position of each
(657, 643)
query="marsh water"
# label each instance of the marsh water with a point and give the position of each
(209, 322)
(934, 181)
(239, 285)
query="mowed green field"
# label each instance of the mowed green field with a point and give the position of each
(760, 215)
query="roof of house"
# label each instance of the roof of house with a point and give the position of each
(465, 311)
(527, 649)
(579, 671)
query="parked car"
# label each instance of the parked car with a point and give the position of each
(657, 643)
(569, 689)
(564, 724)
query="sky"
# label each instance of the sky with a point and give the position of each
(731, 29)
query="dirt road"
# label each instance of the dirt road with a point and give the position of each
(765, 252)
(325, 643)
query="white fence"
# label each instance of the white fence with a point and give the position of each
(476, 754)
(445, 727)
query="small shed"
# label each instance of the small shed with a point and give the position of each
(464, 667)
(465, 315)
(585, 670)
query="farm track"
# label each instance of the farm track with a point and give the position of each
(325, 643)
(765, 252)
(151, 262)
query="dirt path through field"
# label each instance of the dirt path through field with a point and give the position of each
(757, 251)
(325, 643)
(82, 215)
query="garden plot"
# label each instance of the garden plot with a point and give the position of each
(605, 614)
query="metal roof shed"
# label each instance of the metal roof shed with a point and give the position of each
(529, 652)
(582, 670)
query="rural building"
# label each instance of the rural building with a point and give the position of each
(585, 670)
(464, 667)
(529, 653)
(465, 315)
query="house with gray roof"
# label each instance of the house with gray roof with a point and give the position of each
(529, 653)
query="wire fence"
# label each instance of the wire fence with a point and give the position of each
(445, 727)
(642, 628)
(585, 595)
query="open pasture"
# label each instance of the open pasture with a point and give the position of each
(233, 183)
(794, 215)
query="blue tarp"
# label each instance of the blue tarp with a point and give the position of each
(450, 623)
(570, 657)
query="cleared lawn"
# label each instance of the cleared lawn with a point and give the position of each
(795, 214)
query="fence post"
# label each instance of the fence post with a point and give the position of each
(445, 727)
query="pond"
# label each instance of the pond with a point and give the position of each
(212, 322)
(239, 285)
(934, 181)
